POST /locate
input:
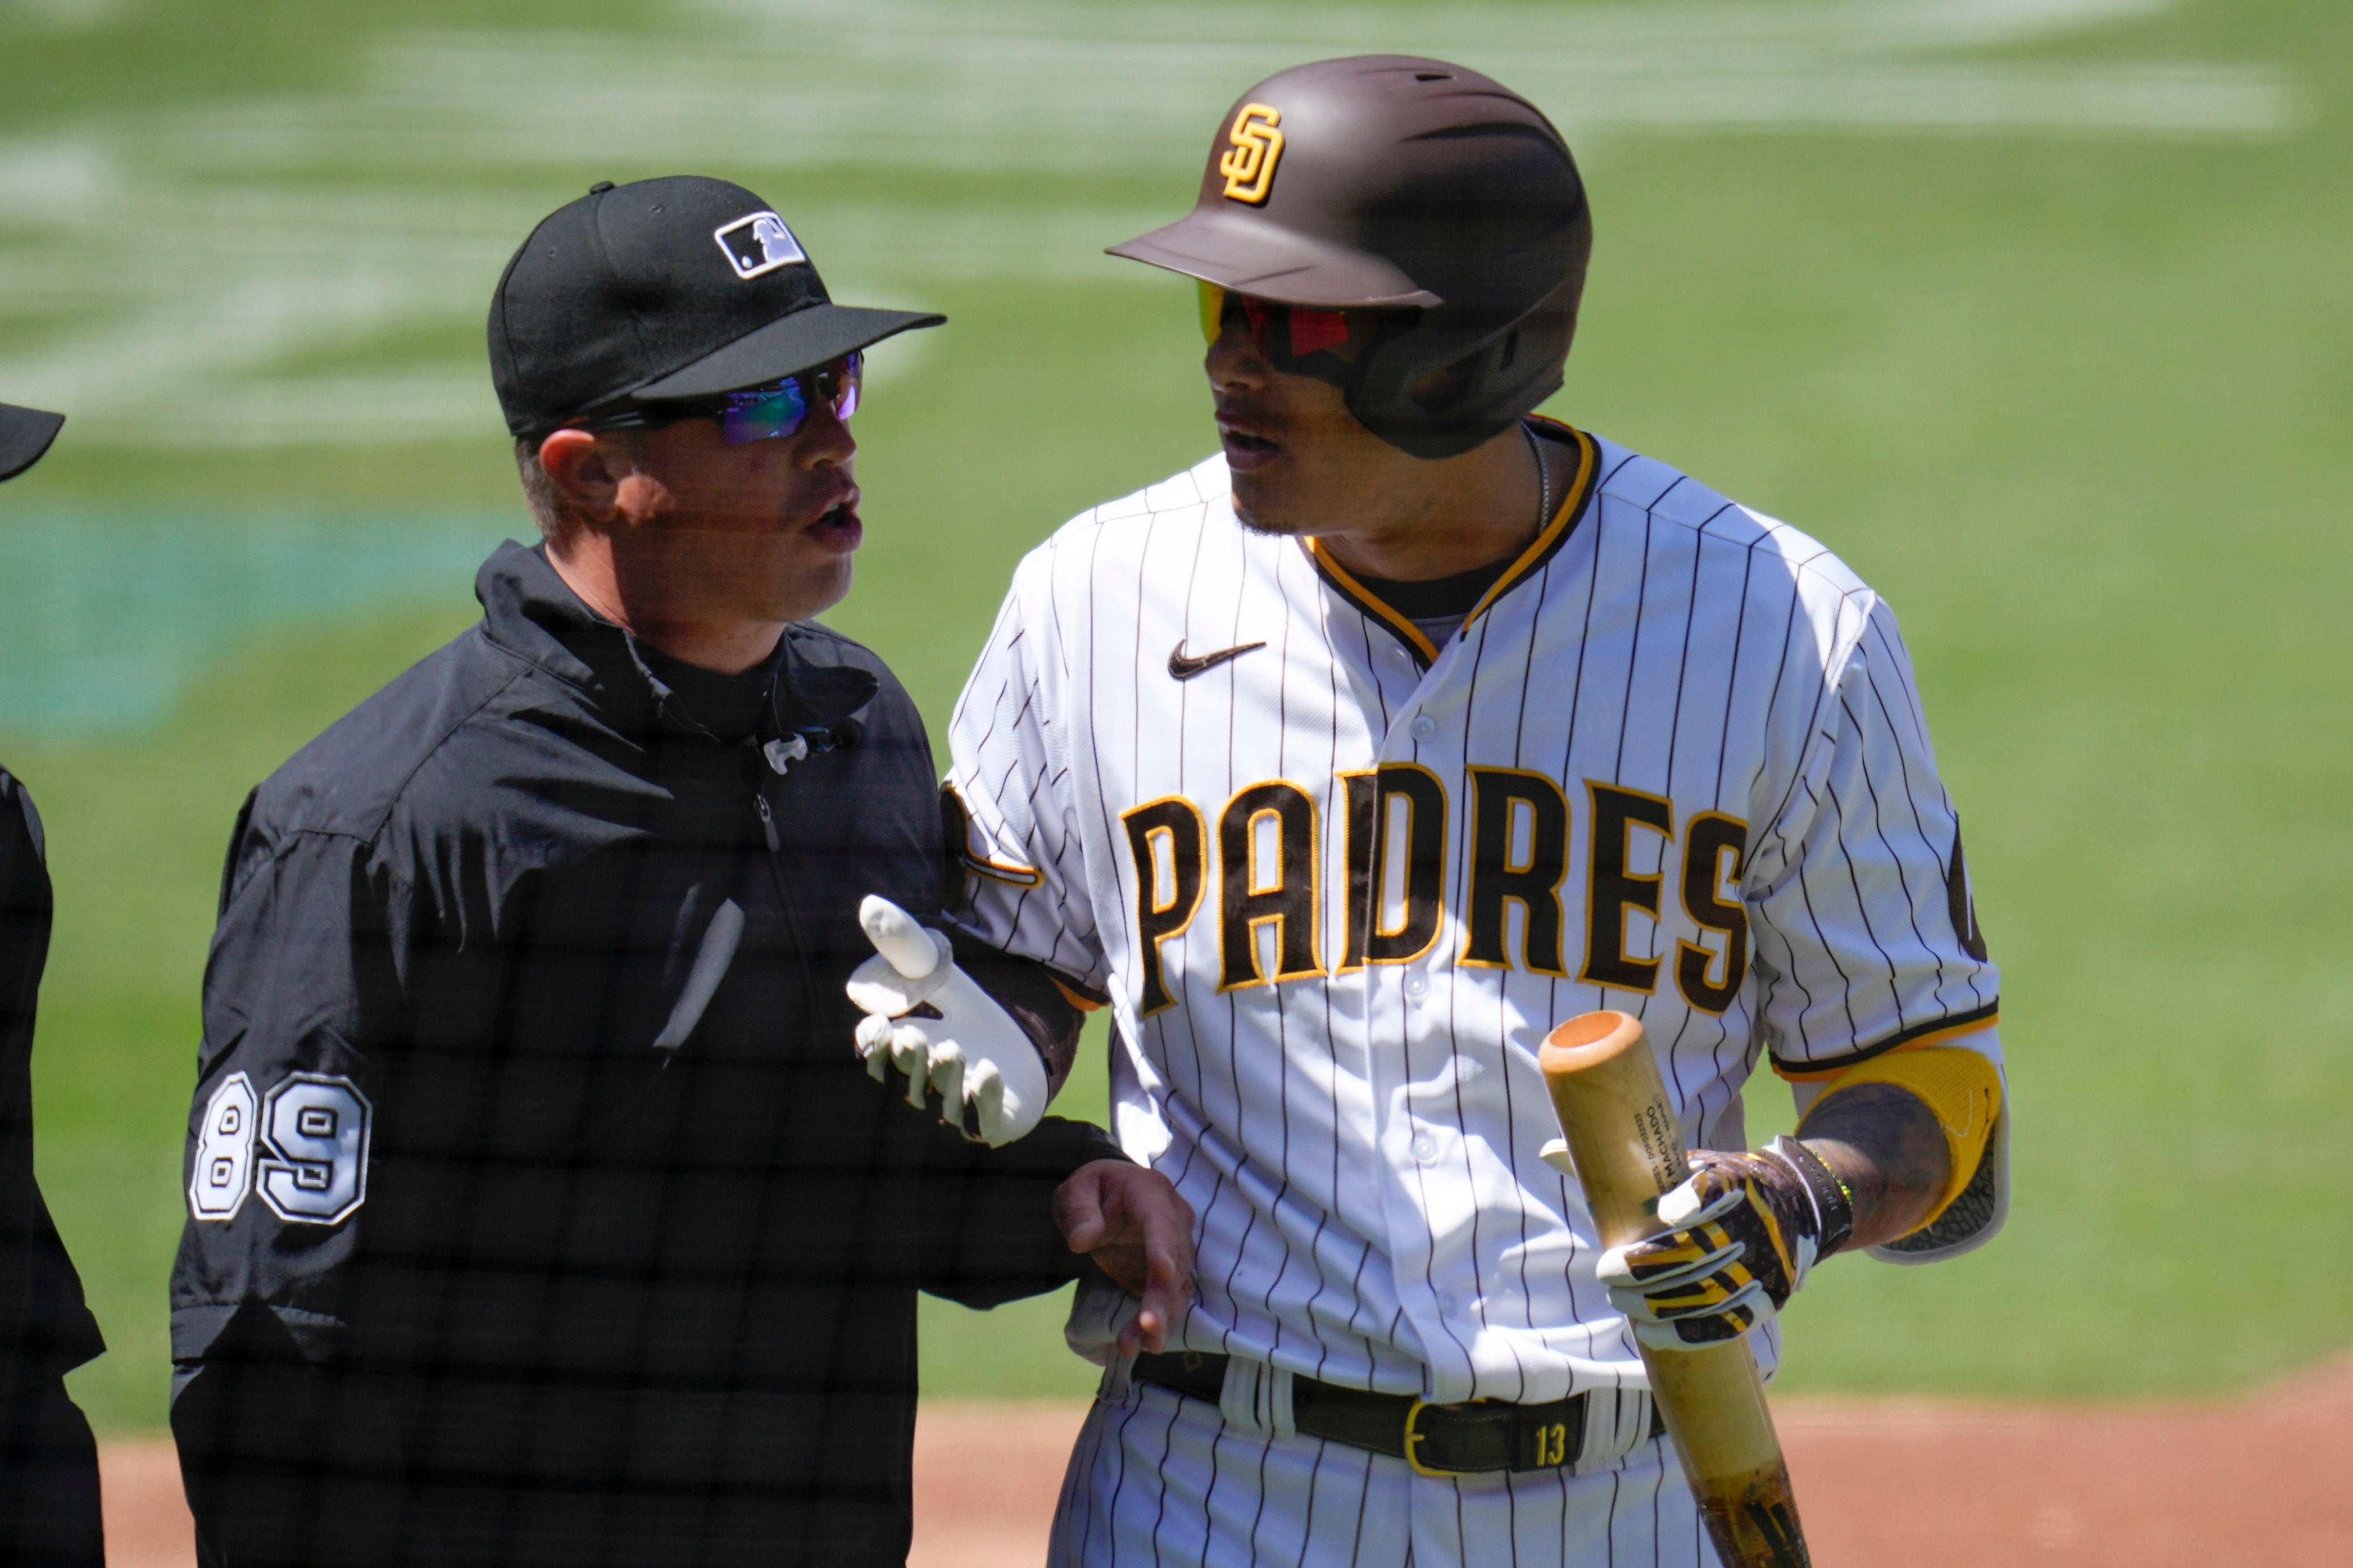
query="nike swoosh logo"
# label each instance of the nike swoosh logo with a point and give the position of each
(1181, 668)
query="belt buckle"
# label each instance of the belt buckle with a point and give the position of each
(1413, 1436)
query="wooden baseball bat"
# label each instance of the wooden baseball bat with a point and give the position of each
(1621, 1132)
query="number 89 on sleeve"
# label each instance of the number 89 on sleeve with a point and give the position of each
(305, 1146)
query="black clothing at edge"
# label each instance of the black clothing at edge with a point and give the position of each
(49, 1465)
(633, 1276)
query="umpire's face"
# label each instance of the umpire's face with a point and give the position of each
(763, 532)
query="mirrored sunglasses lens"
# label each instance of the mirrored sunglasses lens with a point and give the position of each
(1312, 331)
(1272, 331)
(854, 379)
(1259, 317)
(764, 415)
(1213, 312)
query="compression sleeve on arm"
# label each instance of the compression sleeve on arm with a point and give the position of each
(1050, 1007)
(1960, 1087)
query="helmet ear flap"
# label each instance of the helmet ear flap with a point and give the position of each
(1480, 385)
(1437, 392)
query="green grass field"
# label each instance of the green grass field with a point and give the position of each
(2043, 322)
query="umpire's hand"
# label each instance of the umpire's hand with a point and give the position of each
(1139, 1231)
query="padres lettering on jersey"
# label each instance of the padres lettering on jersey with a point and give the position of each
(1397, 841)
(1340, 884)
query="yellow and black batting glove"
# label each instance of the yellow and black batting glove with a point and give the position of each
(1747, 1229)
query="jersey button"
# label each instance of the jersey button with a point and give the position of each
(1423, 727)
(1425, 1149)
(1416, 986)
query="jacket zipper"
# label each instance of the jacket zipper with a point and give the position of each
(785, 894)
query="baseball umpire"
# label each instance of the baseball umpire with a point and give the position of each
(48, 1464)
(536, 1213)
(1349, 763)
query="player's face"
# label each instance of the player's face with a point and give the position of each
(1301, 464)
(761, 532)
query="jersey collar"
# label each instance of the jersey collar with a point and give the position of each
(1540, 549)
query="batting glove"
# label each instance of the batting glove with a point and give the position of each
(928, 1019)
(1745, 1231)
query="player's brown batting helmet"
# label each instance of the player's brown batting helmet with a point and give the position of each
(1396, 184)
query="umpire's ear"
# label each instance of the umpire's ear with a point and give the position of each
(587, 471)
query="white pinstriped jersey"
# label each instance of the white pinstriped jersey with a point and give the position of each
(1340, 885)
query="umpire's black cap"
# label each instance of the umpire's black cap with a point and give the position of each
(662, 290)
(25, 435)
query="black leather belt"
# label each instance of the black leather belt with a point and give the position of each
(1436, 1439)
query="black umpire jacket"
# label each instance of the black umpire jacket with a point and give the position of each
(540, 1211)
(45, 1329)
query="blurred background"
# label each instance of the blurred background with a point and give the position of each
(2036, 311)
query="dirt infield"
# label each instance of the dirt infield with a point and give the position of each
(1883, 1484)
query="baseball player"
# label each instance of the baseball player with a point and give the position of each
(1346, 765)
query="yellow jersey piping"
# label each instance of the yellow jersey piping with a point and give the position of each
(1540, 549)
(1935, 1034)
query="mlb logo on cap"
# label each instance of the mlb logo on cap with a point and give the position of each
(757, 244)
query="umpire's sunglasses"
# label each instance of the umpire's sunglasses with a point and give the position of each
(1287, 337)
(768, 413)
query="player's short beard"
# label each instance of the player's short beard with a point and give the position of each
(1265, 529)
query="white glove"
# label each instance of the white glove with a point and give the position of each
(928, 1019)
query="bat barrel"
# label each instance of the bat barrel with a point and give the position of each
(1620, 1124)
(1621, 1132)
